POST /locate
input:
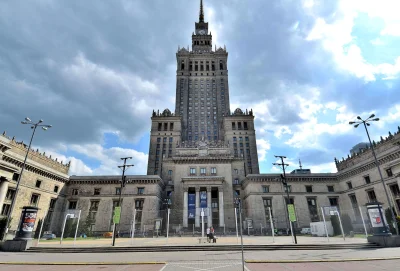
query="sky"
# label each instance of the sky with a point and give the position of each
(96, 69)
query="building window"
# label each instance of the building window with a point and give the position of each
(371, 196)
(288, 187)
(214, 171)
(140, 190)
(170, 172)
(139, 210)
(117, 190)
(267, 206)
(354, 204)
(233, 126)
(236, 171)
(10, 194)
(15, 177)
(192, 171)
(94, 206)
(236, 181)
(349, 185)
(313, 209)
(74, 192)
(331, 188)
(237, 193)
(389, 172)
(97, 191)
(234, 139)
(367, 179)
(55, 188)
(38, 183)
(158, 139)
(265, 189)
(72, 205)
(52, 204)
(35, 199)
(333, 201)
(202, 171)
(6, 209)
(309, 188)
(395, 190)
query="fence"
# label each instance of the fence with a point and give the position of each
(189, 223)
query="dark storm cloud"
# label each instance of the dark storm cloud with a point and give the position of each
(89, 66)
(93, 66)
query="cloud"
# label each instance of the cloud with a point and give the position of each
(92, 68)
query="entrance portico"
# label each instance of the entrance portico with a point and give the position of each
(198, 195)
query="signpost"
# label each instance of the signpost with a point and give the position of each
(117, 215)
(292, 213)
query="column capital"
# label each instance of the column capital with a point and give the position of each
(4, 179)
(185, 188)
(197, 189)
(208, 188)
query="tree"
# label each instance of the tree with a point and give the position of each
(347, 225)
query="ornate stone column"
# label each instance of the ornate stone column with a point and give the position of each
(185, 207)
(197, 217)
(3, 191)
(221, 206)
(209, 218)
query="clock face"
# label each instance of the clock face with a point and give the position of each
(202, 32)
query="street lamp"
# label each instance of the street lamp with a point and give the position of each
(283, 179)
(238, 204)
(33, 127)
(167, 202)
(366, 123)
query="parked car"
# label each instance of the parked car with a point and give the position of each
(48, 236)
(305, 231)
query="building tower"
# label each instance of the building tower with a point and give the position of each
(202, 91)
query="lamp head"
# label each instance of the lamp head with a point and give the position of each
(44, 128)
(376, 119)
(27, 119)
(40, 121)
(368, 124)
(355, 126)
(24, 122)
(373, 115)
(358, 117)
(352, 122)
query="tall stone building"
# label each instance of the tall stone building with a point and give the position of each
(201, 157)
(203, 151)
(41, 183)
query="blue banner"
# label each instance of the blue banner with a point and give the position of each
(203, 199)
(191, 205)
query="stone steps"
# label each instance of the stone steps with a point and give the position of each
(207, 247)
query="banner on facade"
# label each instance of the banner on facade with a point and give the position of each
(203, 199)
(191, 205)
(292, 213)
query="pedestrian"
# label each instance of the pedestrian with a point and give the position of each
(212, 236)
(208, 234)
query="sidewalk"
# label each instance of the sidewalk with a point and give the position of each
(201, 256)
(189, 241)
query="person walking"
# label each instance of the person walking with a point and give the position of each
(208, 234)
(212, 235)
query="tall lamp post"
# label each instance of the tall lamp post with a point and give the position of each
(283, 179)
(366, 123)
(238, 204)
(123, 183)
(14, 199)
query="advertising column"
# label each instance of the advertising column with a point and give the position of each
(27, 223)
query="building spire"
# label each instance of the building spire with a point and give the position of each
(201, 17)
(301, 167)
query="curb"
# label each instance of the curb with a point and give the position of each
(323, 260)
(81, 263)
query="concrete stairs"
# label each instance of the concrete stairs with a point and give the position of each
(205, 247)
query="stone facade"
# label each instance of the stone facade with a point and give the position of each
(41, 184)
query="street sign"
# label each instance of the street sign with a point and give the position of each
(292, 214)
(117, 215)
(330, 210)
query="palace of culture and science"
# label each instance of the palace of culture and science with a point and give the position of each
(202, 157)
